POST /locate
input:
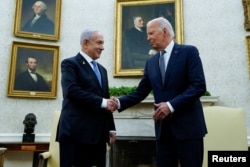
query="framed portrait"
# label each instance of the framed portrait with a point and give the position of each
(33, 70)
(131, 46)
(246, 9)
(38, 19)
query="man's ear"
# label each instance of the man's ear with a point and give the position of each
(85, 43)
(165, 31)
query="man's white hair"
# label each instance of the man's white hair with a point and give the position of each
(40, 3)
(163, 23)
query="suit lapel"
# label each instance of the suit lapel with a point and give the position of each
(85, 65)
(172, 60)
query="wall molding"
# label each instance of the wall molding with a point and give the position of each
(41, 137)
(17, 137)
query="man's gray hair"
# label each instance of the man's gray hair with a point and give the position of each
(87, 35)
(164, 23)
(134, 18)
(42, 4)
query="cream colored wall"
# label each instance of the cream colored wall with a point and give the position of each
(215, 27)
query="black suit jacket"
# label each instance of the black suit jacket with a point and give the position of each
(183, 86)
(25, 82)
(82, 118)
(137, 41)
(43, 25)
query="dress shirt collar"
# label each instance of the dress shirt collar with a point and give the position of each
(31, 71)
(33, 75)
(139, 29)
(36, 17)
(170, 47)
(89, 59)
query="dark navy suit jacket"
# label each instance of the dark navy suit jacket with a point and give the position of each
(184, 84)
(82, 118)
(43, 25)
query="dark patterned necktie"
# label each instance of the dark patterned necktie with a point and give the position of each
(162, 65)
(97, 72)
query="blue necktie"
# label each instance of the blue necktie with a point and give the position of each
(97, 72)
(162, 65)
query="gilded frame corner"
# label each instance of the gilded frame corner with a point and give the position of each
(248, 51)
(246, 9)
(47, 57)
(48, 28)
(147, 10)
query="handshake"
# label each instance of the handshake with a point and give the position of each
(112, 104)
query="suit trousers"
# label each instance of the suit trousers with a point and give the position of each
(170, 152)
(82, 155)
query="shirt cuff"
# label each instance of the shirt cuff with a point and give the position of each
(170, 107)
(104, 103)
(112, 131)
(119, 104)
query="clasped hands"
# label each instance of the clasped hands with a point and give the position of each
(161, 112)
(112, 104)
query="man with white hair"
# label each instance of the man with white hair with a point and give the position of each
(39, 23)
(136, 44)
(175, 76)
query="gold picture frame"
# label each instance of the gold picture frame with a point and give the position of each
(33, 70)
(126, 62)
(246, 9)
(248, 51)
(45, 27)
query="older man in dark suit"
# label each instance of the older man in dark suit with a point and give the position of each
(175, 74)
(85, 124)
(136, 47)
